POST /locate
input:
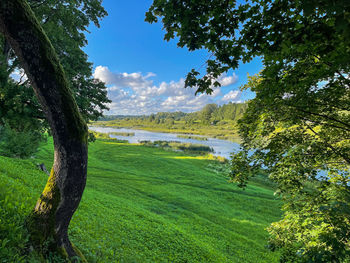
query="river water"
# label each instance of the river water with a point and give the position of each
(221, 147)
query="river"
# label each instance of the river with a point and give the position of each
(221, 147)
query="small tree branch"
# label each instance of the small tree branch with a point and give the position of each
(322, 116)
(345, 157)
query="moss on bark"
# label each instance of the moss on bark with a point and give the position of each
(41, 222)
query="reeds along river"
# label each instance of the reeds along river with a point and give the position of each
(221, 147)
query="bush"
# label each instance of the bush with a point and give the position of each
(20, 144)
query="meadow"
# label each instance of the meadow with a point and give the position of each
(145, 204)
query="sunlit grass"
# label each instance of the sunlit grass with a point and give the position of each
(144, 204)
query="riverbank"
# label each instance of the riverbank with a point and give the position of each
(223, 131)
(221, 148)
(191, 148)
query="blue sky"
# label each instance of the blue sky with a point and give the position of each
(144, 73)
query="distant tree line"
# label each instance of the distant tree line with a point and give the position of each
(210, 114)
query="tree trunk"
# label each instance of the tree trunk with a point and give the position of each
(66, 183)
(6, 49)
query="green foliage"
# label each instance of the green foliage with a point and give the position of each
(64, 22)
(20, 128)
(305, 149)
(241, 168)
(18, 104)
(144, 204)
(21, 144)
(230, 111)
(206, 112)
(297, 127)
(237, 31)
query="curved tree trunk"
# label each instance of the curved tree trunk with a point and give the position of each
(66, 183)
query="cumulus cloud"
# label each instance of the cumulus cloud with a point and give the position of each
(122, 79)
(227, 80)
(232, 96)
(134, 93)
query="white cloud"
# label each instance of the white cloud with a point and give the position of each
(227, 80)
(122, 79)
(232, 96)
(134, 93)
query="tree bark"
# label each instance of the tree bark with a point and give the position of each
(6, 49)
(65, 186)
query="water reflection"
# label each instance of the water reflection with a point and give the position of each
(221, 147)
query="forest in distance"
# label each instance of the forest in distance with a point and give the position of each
(212, 120)
(208, 114)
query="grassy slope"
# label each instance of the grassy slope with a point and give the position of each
(149, 205)
(20, 184)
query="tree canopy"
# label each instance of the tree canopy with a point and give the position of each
(65, 23)
(297, 129)
(279, 31)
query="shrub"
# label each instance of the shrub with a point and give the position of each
(20, 144)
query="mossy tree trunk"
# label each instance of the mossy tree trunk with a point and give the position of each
(66, 183)
(6, 51)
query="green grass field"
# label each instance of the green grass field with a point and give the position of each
(144, 204)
